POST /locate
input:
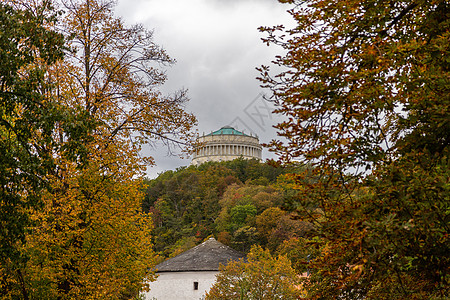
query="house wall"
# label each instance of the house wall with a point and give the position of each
(180, 285)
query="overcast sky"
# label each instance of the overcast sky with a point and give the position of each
(217, 47)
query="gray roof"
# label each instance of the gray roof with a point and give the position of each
(204, 257)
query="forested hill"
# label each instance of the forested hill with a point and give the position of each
(240, 202)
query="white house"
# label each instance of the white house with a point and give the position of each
(189, 275)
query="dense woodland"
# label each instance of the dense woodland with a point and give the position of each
(359, 199)
(240, 202)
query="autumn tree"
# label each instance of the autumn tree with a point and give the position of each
(95, 241)
(82, 120)
(115, 72)
(361, 80)
(365, 87)
(92, 241)
(262, 276)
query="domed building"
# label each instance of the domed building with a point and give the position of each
(225, 144)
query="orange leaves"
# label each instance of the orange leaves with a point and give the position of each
(365, 91)
(353, 53)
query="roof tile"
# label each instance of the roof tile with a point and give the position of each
(204, 257)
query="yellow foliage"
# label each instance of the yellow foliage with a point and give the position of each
(93, 241)
(261, 277)
(89, 238)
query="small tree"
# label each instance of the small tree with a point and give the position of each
(261, 277)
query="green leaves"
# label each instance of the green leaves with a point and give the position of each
(240, 213)
(27, 122)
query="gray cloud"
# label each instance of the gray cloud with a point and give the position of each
(217, 47)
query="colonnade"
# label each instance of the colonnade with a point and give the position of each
(230, 149)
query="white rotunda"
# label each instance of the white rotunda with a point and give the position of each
(225, 144)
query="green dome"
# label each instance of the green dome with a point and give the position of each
(227, 130)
